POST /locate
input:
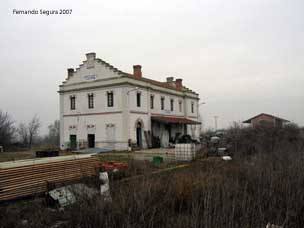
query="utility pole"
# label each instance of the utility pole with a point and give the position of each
(215, 122)
(199, 116)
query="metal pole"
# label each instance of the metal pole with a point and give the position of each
(215, 122)
(199, 115)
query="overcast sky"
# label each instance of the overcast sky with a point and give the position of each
(243, 57)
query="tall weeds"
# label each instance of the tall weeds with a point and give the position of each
(265, 185)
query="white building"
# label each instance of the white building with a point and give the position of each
(101, 106)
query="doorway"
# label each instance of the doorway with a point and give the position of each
(139, 134)
(91, 140)
(73, 142)
(168, 128)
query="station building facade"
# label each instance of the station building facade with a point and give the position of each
(101, 106)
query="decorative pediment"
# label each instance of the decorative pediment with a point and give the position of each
(92, 69)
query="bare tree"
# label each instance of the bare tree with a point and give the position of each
(33, 129)
(23, 134)
(7, 129)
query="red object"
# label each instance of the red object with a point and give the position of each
(111, 165)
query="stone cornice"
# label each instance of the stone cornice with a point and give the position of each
(92, 114)
(121, 81)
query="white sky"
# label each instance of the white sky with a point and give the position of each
(243, 57)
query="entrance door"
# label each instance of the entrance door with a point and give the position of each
(139, 134)
(73, 142)
(91, 140)
(110, 134)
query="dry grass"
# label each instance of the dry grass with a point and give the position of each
(12, 156)
(249, 191)
(210, 193)
(21, 155)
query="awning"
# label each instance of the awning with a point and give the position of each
(174, 120)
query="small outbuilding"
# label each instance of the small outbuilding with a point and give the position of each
(264, 119)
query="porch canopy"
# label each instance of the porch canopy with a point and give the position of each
(174, 120)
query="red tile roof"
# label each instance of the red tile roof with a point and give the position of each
(153, 82)
(275, 117)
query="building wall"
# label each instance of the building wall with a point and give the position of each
(100, 101)
(145, 112)
(256, 121)
(102, 117)
(106, 127)
(167, 104)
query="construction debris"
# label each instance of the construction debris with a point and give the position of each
(67, 195)
(63, 196)
(47, 153)
(226, 158)
(105, 187)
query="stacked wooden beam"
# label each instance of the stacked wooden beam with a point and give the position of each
(29, 177)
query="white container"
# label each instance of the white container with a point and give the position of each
(185, 151)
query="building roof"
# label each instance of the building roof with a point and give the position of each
(159, 83)
(143, 79)
(275, 117)
(174, 120)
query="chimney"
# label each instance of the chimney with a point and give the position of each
(91, 59)
(91, 56)
(179, 83)
(137, 71)
(70, 72)
(170, 79)
(171, 82)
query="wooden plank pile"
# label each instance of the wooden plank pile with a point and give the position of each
(25, 178)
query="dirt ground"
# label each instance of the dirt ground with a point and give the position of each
(121, 156)
(142, 155)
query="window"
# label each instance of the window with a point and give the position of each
(172, 105)
(91, 100)
(180, 103)
(73, 102)
(138, 97)
(192, 107)
(152, 101)
(110, 99)
(162, 103)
